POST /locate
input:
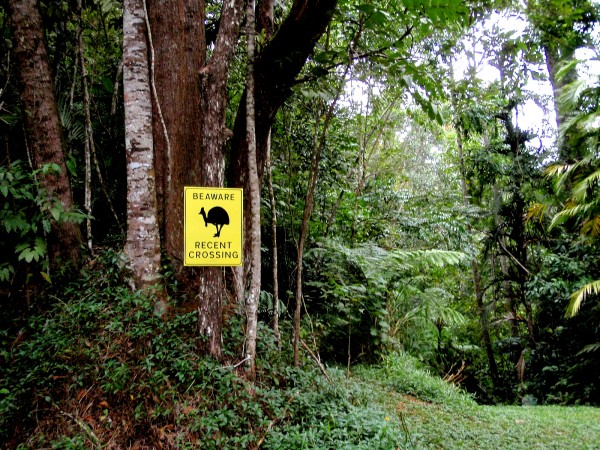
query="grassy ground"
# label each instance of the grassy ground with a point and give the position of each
(438, 416)
(498, 427)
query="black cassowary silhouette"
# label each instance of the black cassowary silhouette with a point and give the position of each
(217, 216)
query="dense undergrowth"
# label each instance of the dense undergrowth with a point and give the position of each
(91, 366)
(96, 368)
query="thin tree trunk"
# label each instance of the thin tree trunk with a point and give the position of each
(116, 88)
(276, 68)
(360, 184)
(42, 124)
(275, 321)
(255, 271)
(475, 272)
(264, 25)
(90, 148)
(308, 207)
(143, 241)
(88, 136)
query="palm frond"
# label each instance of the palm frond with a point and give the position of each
(566, 68)
(570, 210)
(565, 171)
(591, 226)
(583, 189)
(570, 95)
(537, 211)
(578, 297)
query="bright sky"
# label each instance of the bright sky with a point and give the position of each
(530, 115)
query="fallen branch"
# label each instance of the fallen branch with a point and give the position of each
(316, 360)
(85, 428)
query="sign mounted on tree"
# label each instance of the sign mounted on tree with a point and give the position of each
(213, 226)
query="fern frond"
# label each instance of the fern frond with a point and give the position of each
(578, 297)
(437, 258)
(589, 348)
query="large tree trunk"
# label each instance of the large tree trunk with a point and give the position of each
(213, 104)
(184, 81)
(190, 141)
(179, 54)
(42, 124)
(143, 239)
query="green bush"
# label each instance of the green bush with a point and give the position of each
(26, 213)
(406, 375)
(98, 365)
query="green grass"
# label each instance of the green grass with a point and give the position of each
(438, 415)
(499, 427)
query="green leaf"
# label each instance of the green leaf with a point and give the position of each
(46, 277)
(55, 212)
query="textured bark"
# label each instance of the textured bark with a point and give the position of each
(254, 200)
(264, 19)
(89, 137)
(42, 124)
(179, 54)
(143, 240)
(213, 104)
(192, 97)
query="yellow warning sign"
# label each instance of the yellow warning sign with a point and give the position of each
(213, 226)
